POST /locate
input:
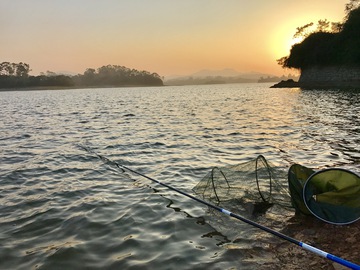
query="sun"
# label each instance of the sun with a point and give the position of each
(282, 41)
(294, 41)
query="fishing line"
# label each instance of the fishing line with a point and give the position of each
(305, 246)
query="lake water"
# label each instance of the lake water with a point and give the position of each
(63, 208)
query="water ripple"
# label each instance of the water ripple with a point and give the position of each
(62, 208)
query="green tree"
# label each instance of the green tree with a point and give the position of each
(7, 68)
(323, 25)
(303, 31)
(22, 70)
(353, 4)
(336, 27)
(115, 75)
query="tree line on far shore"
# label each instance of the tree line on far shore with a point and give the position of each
(16, 75)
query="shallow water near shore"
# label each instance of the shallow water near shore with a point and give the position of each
(63, 208)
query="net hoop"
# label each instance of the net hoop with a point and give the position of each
(307, 198)
(261, 158)
(213, 182)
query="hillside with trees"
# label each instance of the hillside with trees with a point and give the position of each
(331, 44)
(16, 75)
(113, 75)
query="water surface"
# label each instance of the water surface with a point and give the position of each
(62, 208)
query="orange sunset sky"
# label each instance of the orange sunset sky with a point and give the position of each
(170, 37)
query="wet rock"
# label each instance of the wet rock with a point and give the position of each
(286, 84)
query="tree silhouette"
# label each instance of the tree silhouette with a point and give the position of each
(115, 75)
(325, 47)
(13, 69)
(14, 75)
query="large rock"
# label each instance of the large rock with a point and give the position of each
(286, 84)
(325, 78)
(330, 77)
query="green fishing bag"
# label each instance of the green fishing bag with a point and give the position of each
(297, 177)
(332, 195)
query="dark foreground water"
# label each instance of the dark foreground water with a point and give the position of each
(62, 208)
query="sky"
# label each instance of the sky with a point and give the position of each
(169, 37)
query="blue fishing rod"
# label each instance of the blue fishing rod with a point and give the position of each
(236, 216)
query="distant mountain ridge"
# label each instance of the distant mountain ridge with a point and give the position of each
(207, 76)
(226, 72)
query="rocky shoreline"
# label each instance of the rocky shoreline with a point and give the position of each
(341, 241)
(286, 84)
(329, 77)
(351, 85)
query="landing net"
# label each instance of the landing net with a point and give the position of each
(255, 181)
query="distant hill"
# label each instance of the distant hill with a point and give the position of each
(207, 76)
(227, 72)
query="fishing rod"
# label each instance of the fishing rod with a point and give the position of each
(305, 246)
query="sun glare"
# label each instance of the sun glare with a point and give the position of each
(294, 41)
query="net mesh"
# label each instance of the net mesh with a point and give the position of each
(254, 181)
